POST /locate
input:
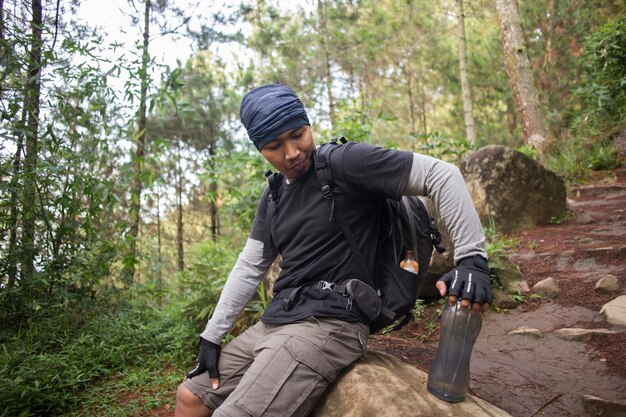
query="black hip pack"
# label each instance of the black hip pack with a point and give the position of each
(359, 296)
(404, 225)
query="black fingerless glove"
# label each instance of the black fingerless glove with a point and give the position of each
(470, 280)
(207, 359)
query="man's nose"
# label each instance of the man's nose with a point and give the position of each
(292, 151)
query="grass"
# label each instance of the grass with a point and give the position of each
(575, 160)
(135, 392)
(66, 362)
(498, 245)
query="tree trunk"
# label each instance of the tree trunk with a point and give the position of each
(408, 75)
(179, 220)
(135, 198)
(215, 221)
(422, 90)
(159, 256)
(321, 12)
(14, 224)
(520, 75)
(2, 19)
(468, 113)
(31, 104)
(511, 119)
(215, 226)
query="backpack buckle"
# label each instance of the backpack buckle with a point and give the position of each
(325, 285)
(326, 192)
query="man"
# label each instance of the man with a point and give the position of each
(281, 365)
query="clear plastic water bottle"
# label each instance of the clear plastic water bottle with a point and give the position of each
(409, 263)
(449, 374)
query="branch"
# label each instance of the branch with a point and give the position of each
(56, 25)
(545, 404)
(183, 23)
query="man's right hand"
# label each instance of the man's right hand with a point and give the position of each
(207, 359)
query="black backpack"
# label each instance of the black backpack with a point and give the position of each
(404, 224)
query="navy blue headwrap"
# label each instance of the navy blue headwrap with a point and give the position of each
(268, 111)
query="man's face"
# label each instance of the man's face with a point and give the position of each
(290, 153)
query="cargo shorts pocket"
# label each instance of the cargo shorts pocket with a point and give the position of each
(284, 379)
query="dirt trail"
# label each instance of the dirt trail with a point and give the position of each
(544, 375)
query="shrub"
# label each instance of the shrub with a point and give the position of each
(203, 281)
(602, 93)
(44, 367)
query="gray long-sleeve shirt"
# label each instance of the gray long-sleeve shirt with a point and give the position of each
(438, 180)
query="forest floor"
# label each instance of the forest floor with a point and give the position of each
(544, 375)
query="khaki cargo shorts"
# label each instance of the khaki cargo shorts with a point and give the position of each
(280, 370)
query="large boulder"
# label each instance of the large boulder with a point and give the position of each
(513, 189)
(380, 385)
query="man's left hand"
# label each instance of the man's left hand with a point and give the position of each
(469, 281)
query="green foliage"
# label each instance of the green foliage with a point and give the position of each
(46, 364)
(75, 234)
(576, 157)
(497, 245)
(603, 158)
(602, 92)
(242, 180)
(517, 296)
(137, 391)
(353, 123)
(437, 145)
(529, 150)
(253, 311)
(202, 283)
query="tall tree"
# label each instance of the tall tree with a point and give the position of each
(323, 37)
(31, 107)
(140, 144)
(180, 247)
(520, 75)
(1, 19)
(556, 31)
(468, 112)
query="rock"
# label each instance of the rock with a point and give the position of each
(526, 256)
(585, 264)
(382, 385)
(574, 333)
(615, 311)
(509, 275)
(525, 330)
(563, 263)
(584, 218)
(584, 240)
(503, 299)
(599, 251)
(547, 288)
(621, 253)
(513, 189)
(597, 406)
(608, 283)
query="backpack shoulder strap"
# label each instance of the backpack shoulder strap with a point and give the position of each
(432, 231)
(323, 173)
(275, 180)
(324, 177)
